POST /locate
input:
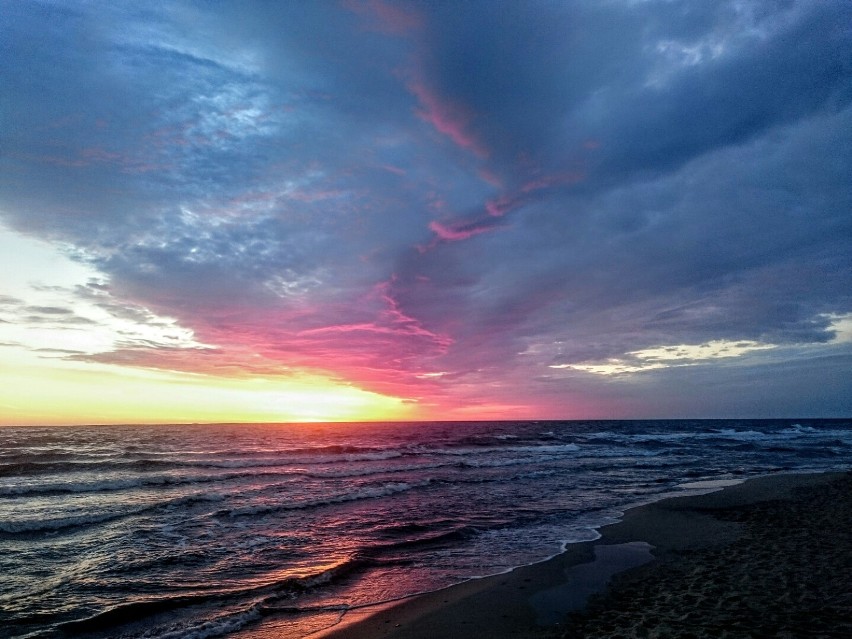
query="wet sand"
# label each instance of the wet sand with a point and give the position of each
(771, 557)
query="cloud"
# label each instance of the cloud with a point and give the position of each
(448, 118)
(461, 231)
(664, 175)
(49, 310)
(668, 356)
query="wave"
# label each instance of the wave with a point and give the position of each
(502, 463)
(298, 460)
(148, 464)
(137, 611)
(71, 521)
(794, 432)
(119, 484)
(142, 481)
(59, 523)
(35, 456)
(217, 627)
(58, 487)
(438, 539)
(454, 463)
(388, 489)
(251, 603)
(365, 472)
(127, 613)
(342, 455)
(329, 449)
(371, 492)
(29, 468)
(307, 460)
(468, 451)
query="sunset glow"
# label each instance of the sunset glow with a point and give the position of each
(424, 210)
(102, 394)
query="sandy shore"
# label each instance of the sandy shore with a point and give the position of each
(771, 557)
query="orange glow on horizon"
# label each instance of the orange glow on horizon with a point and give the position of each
(54, 392)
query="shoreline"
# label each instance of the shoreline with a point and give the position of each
(591, 581)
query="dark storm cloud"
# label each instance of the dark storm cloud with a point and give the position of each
(442, 198)
(646, 86)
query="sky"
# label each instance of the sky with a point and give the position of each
(365, 209)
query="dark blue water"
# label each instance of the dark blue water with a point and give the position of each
(217, 530)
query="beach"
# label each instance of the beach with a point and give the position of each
(768, 557)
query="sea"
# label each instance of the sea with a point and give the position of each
(201, 531)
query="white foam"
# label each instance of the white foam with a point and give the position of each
(709, 484)
(214, 627)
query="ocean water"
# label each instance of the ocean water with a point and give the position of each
(226, 530)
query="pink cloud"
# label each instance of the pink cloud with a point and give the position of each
(507, 202)
(454, 234)
(373, 341)
(490, 178)
(399, 318)
(378, 346)
(350, 328)
(499, 206)
(447, 117)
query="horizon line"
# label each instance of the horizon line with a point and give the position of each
(427, 421)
